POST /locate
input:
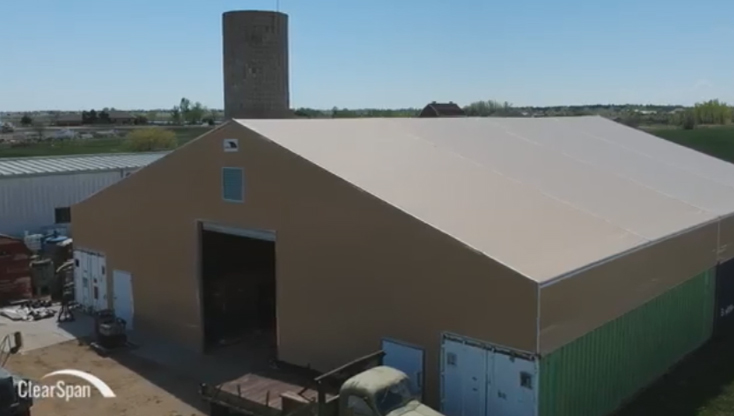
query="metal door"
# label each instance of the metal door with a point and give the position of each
(408, 359)
(465, 378)
(82, 280)
(724, 309)
(122, 296)
(99, 282)
(514, 386)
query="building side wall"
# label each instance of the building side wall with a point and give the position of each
(28, 203)
(597, 373)
(350, 268)
(577, 305)
(255, 53)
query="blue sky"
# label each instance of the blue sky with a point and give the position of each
(80, 54)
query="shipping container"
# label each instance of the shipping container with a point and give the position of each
(90, 279)
(481, 379)
(724, 310)
(599, 372)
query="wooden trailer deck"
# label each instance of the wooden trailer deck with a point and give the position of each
(259, 392)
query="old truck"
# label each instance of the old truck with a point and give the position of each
(363, 387)
(13, 402)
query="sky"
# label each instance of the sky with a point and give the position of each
(143, 54)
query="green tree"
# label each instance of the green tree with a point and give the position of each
(26, 120)
(712, 112)
(195, 113)
(176, 115)
(150, 139)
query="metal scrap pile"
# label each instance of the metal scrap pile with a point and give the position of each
(33, 310)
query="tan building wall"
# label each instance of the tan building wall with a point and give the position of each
(574, 306)
(350, 268)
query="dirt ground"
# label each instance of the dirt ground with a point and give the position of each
(142, 387)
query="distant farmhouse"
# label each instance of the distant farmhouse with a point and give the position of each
(435, 109)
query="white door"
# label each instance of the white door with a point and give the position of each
(99, 281)
(464, 379)
(82, 278)
(78, 280)
(407, 359)
(515, 385)
(122, 296)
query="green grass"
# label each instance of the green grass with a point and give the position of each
(715, 141)
(91, 146)
(702, 385)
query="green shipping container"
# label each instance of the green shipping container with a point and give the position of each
(599, 372)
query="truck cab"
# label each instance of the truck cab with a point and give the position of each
(381, 391)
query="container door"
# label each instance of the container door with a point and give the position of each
(122, 296)
(78, 276)
(408, 359)
(101, 280)
(464, 381)
(81, 278)
(724, 312)
(514, 388)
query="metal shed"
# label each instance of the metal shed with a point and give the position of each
(530, 261)
(36, 192)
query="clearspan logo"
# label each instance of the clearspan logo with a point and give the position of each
(62, 390)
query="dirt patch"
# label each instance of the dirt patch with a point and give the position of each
(142, 387)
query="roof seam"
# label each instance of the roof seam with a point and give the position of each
(603, 171)
(533, 187)
(674, 166)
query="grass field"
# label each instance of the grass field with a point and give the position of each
(715, 141)
(702, 385)
(92, 146)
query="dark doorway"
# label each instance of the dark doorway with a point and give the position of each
(238, 290)
(724, 303)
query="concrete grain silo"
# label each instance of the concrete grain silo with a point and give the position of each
(255, 64)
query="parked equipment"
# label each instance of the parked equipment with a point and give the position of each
(15, 271)
(362, 387)
(12, 402)
(110, 330)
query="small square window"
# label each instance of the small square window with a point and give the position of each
(62, 215)
(233, 185)
(526, 380)
(451, 359)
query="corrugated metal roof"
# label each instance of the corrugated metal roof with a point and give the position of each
(543, 196)
(77, 163)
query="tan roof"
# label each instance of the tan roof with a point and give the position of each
(544, 196)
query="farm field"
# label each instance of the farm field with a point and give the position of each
(90, 146)
(716, 141)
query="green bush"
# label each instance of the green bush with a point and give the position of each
(151, 139)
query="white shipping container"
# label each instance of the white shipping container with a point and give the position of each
(90, 279)
(479, 379)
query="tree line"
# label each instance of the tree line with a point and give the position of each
(712, 112)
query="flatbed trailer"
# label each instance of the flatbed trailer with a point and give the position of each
(283, 389)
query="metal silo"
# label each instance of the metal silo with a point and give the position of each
(255, 64)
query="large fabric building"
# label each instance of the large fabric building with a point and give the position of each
(509, 266)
